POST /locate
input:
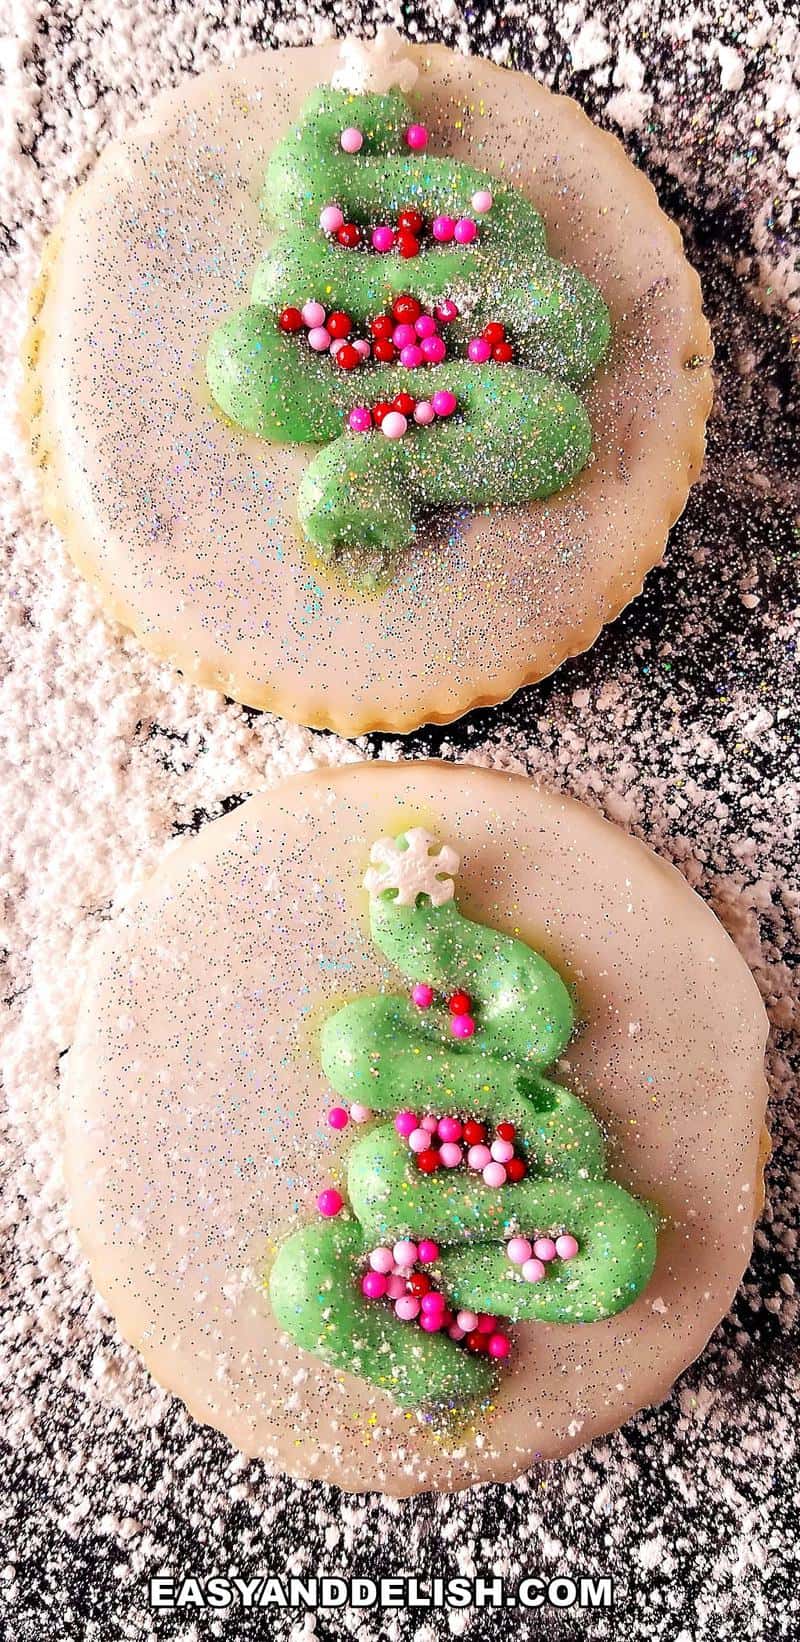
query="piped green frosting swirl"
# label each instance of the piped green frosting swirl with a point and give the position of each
(521, 432)
(383, 1052)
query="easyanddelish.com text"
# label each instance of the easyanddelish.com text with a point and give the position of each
(189, 1591)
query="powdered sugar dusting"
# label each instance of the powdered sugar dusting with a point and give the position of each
(676, 724)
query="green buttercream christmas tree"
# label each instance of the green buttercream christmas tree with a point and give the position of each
(477, 395)
(486, 1187)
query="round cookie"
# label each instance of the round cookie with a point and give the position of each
(254, 984)
(192, 528)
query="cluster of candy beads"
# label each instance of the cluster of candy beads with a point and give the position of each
(533, 1256)
(406, 234)
(459, 1004)
(340, 1116)
(447, 1142)
(395, 417)
(392, 1275)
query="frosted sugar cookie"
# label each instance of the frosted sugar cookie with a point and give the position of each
(472, 498)
(414, 1125)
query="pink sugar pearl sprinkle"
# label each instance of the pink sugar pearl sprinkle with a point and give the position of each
(533, 1271)
(330, 219)
(360, 419)
(338, 1117)
(407, 1307)
(518, 1250)
(449, 1128)
(411, 357)
(430, 1123)
(394, 425)
(419, 1140)
(433, 349)
(395, 1287)
(502, 1151)
(406, 1122)
(465, 231)
(404, 336)
(450, 1154)
(444, 403)
(499, 1345)
(424, 413)
(566, 1247)
(360, 1114)
(319, 339)
(313, 314)
(479, 350)
(494, 1174)
(427, 1250)
(362, 347)
(425, 326)
(468, 1320)
(461, 1026)
(405, 1252)
(382, 238)
(351, 139)
(443, 229)
(478, 1157)
(433, 1303)
(481, 201)
(544, 1248)
(330, 1202)
(421, 994)
(382, 1260)
(417, 136)
(373, 1285)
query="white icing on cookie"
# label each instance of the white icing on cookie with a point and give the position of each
(412, 871)
(375, 65)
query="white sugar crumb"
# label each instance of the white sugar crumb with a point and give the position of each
(676, 726)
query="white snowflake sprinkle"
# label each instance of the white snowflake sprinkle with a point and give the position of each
(407, 866)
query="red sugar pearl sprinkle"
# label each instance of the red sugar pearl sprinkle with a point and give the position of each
(405, 403)
(505, 1131)
(410, 221)
(494, 332)
(474, 1133)
(502, 353)
(460, 1003)
(515, 1169)
(289, 320)
(379, 411)
(477, 1341)
(349, 235)
(339, 324)
(348, 357)
(406, 309)
(408, 245)
(418, 1284)
(428, 1161)
(381, 327)
(384, 351)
